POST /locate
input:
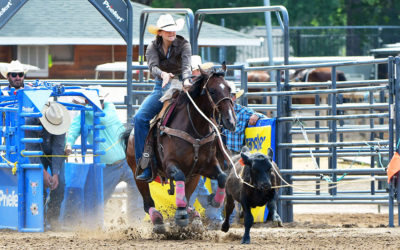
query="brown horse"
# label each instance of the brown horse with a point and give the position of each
(314, 75)
(187, 147)
(317, 75)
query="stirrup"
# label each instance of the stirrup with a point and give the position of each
(145, 175)
(144, 161)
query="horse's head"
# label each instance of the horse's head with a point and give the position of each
(212, 84)
(261, 167)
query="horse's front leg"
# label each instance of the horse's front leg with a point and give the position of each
(217, 199)
(194, 216)
(181, 215)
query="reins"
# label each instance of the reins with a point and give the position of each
(214, 105)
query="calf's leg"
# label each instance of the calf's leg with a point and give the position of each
(273, 212)
(248, 222)
(229, 206)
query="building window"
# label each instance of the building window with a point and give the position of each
(62, 54)
(36, 56)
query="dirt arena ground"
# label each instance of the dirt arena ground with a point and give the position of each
(309, 231)
(314, 227)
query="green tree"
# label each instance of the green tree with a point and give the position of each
(310, 13)
(233, 21)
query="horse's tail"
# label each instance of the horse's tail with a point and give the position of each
(125, 137)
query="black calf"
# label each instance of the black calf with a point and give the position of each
(257, 170)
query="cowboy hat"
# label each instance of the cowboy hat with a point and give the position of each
(82, 100)
(13, 67)
(55, 118)
(102, 93)
(234, 91)
(167, 23)
(196, 63)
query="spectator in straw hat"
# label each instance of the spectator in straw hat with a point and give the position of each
(197, 64)
(15, 74)
(168, 57)
(117, 169)
(55, 121)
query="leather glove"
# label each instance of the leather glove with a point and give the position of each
(166, 77)
(187, 83)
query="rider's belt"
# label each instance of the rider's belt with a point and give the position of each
(115, 163)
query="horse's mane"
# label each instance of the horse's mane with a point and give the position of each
(196, 88)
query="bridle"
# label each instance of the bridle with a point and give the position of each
(214, 104)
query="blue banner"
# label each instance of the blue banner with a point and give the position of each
(8, 8)
(116, 13)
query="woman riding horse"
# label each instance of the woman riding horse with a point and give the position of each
(186, 146)
(168, 57)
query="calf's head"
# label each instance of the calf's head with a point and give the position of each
(260, 168)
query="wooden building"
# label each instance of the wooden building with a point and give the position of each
(66, 39)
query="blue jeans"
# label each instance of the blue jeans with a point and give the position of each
(114, 174)
(201, 194)
(150, 107)
(52, 211)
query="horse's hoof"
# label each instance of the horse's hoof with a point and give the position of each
(181, 217)
(155, 216)
(159, 229)
(197, 225)
(193, 214)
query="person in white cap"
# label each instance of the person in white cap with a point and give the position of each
(168, 57)
(15, 75)
(117, 169)
(197, 64)
(55, 121)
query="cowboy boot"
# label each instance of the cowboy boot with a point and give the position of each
(145, 163)
(145, 175)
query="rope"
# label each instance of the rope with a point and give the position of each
(379, 153)
(337, 184)
(296, 120)
(13, 165)
(304, 132)
(274, 167)
(219, 138)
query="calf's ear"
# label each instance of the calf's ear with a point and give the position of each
(245, 149)
(246, 158)
(270, 154)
